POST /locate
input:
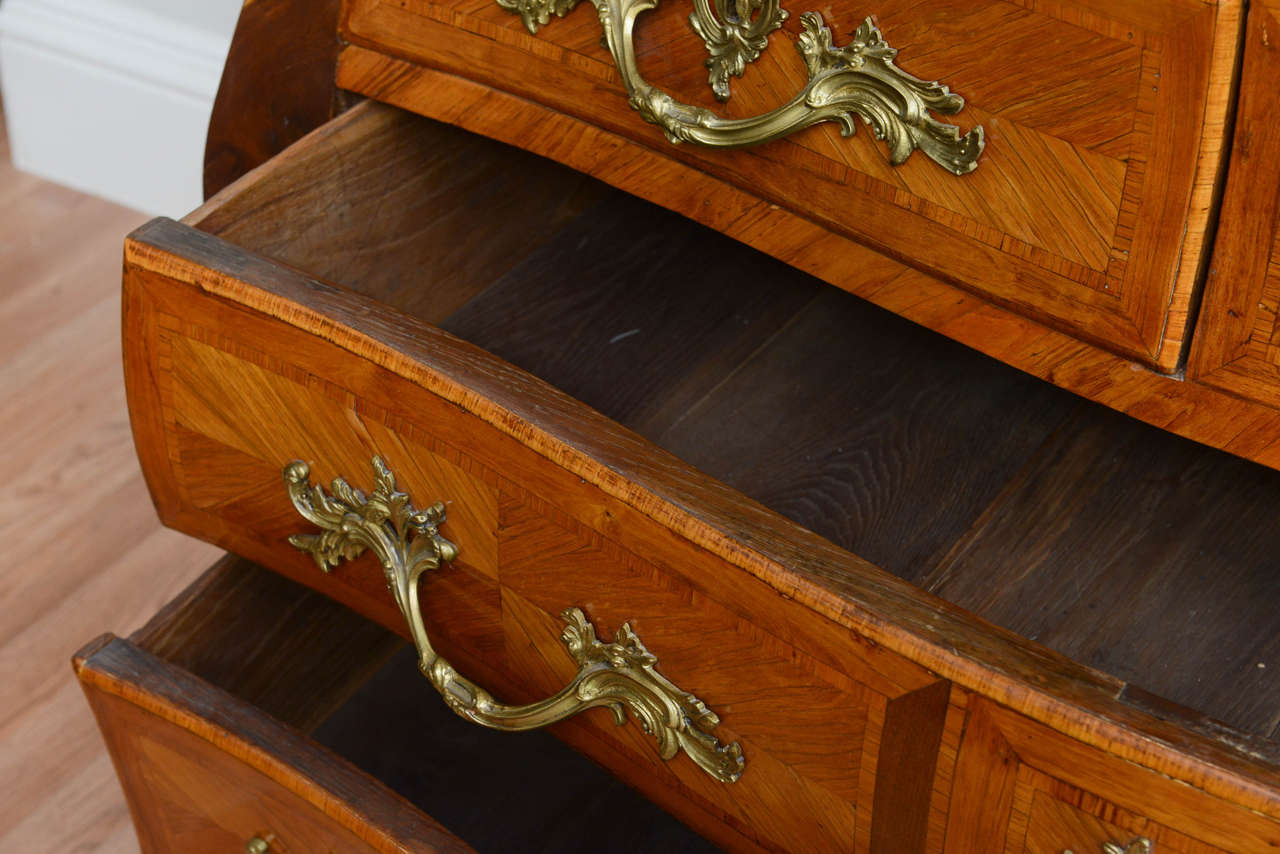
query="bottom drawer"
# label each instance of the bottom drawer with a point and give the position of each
(240, 719)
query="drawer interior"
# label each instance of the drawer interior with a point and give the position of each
(1124, 547)
(354, 687)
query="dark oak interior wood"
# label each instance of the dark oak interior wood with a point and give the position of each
(1129, 549)
(398, 197)
(554, 799)
(263, 104)
(294, 654)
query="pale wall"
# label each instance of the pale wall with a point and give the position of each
(112, 97)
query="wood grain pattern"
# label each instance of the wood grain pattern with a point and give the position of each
(294, 655)
(1104, 241)
(1053, 826)
(787, 710)
(1235, 350)
(265, 104)
(912, 736)
(629, 306)
(391, 204)
(608, 481)
(1112, 542)
(1198, 411)
(779, 787)
(205, 772)
(570, 496)
(859, 428)
(308, 662)
(848, 419)
(877, 415)
(1023, 785)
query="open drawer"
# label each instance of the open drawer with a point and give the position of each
(239, 716)
(869, 714)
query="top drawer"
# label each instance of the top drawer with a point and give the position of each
(1103, 125)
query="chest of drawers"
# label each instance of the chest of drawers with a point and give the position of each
(366, 291)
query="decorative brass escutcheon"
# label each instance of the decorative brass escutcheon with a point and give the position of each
(620, 675)
(858, 79)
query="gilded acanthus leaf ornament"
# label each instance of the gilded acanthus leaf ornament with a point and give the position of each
(536, 13)
(735, 33)
(620, 675)
(859, 79)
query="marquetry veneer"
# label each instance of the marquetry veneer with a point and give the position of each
(371, 290)
(1105, 127)
(1080, 250)
(872, 715)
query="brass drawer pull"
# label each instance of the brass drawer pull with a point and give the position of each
(407, 541)
(257, 845)
(857, 79)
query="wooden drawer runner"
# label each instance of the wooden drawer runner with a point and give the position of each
(851, 693)
(1104, 131)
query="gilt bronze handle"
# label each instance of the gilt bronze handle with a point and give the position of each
(859, 79)
(619, 675)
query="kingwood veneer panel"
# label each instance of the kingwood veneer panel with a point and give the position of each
(1104, 127)
(1237, 345)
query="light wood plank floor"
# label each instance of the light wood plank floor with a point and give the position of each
(84, 553)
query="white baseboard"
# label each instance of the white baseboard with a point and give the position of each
(111, 99)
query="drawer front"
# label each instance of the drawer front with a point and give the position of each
(1021, 787)
(205, 772)
(841, 737)
(1235, 346)
(1103, 123)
